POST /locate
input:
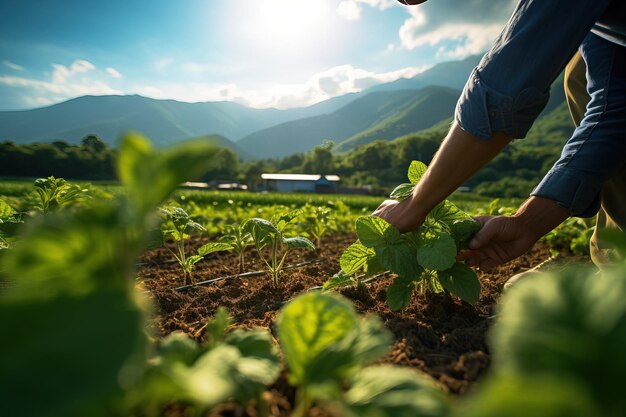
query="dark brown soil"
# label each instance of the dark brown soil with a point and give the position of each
(439, 335)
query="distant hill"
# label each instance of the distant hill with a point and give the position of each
(453, 74)
(222, 142)
(427, 107)
(389, 113)
(164, 121)
(167, 121)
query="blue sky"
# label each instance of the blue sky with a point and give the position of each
(261, 53)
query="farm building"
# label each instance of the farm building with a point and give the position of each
(293, 183)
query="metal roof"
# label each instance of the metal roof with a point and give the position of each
(299, 177)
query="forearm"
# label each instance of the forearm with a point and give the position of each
(538, 215)
(459, 157)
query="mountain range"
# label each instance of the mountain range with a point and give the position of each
(385, 111)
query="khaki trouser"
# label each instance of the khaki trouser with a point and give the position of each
(612, 213)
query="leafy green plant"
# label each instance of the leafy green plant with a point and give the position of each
(316, 221)
(55, 193)
(573, 234)
(239, 238)
(10, 222)
(271, 243)
(182, 225)
(425, 257)
(328, 348)
(228, 366)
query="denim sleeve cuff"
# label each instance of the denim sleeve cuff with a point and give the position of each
(481, 110)
(579, 196)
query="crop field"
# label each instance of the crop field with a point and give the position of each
(142, 299)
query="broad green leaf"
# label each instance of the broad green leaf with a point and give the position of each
(5, 209)
(260, 229)
(212, 379)
(402, 191)
(195, 226)
(375, 232)
(355, 257)
(374, 266)
(571, 324)
(401, 259)
(340, 279)
(545, 395)
(463, 230)
(437, 252)
(309, 326)
(152, 174)
(447, 212)
(178, 347)
(191, 261)
(462, 281)
(259, 365)
(212, 247)
(50, 345)
(393, 391)
(298, 242)
(373, 341)
(399, 293)
(416, 171)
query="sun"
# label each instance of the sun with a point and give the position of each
(285, 25)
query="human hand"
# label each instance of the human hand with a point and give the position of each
(501, 239)
(401, 214)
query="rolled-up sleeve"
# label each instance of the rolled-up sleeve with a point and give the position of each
(510, 86)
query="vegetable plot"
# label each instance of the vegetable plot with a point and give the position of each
(424, 258)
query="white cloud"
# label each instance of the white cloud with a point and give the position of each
(13, 66)
(334, 82)
(113, 72)
(64, 83)
(458, 28)
(352, 9)
(349, 10)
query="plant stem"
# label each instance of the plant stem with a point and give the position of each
(303, 404)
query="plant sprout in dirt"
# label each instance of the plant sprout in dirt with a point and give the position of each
(182, 225)
(425, 257)
(271, 243)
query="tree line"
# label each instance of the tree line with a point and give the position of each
(379, 165)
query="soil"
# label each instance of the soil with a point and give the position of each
(439, 335)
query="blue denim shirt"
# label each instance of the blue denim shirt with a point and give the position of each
(510, 86)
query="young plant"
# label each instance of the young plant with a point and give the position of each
(55, 193)
(272, 244)
(228, 366)
(316, 222)
(10, 221)
(239, 239)
(425, 257)
(328, 349)
(182, 224)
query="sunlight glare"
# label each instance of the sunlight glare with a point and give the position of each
(287, 25)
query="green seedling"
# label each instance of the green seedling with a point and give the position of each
(239, 239)
(425, 257)
(316, 222)
(228, 366)
(55, 193)
(182, 225)
(272, 244)
(328, 348)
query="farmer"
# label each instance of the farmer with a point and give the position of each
(501, 100)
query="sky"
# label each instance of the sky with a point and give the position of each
(259, 53)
